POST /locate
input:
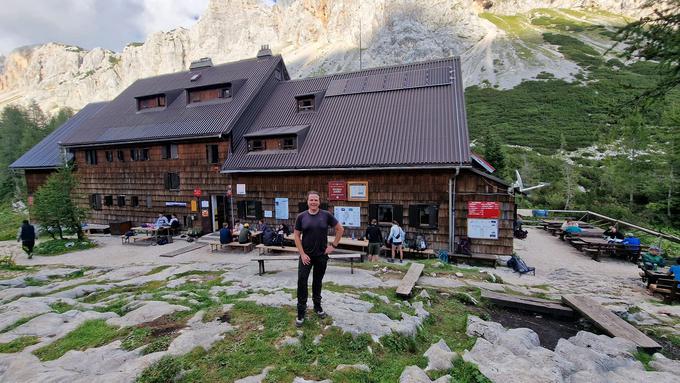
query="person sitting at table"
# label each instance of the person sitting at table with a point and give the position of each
(244, 234)
(283, 229)
(174, 224)
(571, 227)
(161, 221)
(632, 246)
(652, 259)
(238, 226)
(225, 234)
(613, 234)
(675, 270)
(261, 226)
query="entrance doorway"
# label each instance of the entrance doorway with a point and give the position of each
(220, 211)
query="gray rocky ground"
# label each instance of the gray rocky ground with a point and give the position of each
(116, 277)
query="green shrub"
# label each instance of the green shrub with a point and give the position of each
(18, 344)
(62, 246)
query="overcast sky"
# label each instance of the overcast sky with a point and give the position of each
(110, 24)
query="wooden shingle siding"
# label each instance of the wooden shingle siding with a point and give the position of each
(403, 188)
(146, 178)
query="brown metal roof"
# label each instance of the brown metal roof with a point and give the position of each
(401, 116)
(120, 121)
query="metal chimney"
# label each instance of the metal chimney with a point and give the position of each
(264, 51)
(201, 63)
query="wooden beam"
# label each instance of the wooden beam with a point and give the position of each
(609, 322)
(183, 250)
(538, 305)
(409, 281)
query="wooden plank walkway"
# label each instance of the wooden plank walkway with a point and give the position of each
(183, 250)
(538, 305)
(410, 279)
(609, 322)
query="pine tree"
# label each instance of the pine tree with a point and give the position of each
(493, 153)
(54, 206)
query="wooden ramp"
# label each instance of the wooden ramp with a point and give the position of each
(609, 322)
(410, 279)
(183, 250)
(538, 305)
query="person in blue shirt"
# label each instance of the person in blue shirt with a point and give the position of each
(161, 221)
(675, 270)
(632, 246)
(225, 234)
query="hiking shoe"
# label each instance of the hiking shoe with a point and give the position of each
(390, 260)
(401, 261)
(299, 322)
(320, 313)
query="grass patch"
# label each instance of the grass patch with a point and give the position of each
(18, 344)
(10, 222)
(545, 287)
(92, 333)
(390, 309)
(62, 246)
(644, 358)
(61, 307)
(30, 281)
(117, 306)
(18, 323)
(157, 269)
(162, 371)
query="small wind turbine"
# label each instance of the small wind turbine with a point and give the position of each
(518, 185)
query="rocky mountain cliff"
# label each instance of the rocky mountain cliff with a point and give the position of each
(499, 41)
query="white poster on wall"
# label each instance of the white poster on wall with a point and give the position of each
(348, 216)
(267, 213)
(281, 208)
(241, 189)
(482, 228)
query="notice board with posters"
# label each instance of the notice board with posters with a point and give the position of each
(482, 228)
(348, 216)
(483, 209)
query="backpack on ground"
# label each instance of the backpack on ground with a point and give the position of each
(420, 243)
(162, 241)
(518, 264)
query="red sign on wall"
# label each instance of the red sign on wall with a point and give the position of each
(197, 192)
(477, 209)
(337, 190)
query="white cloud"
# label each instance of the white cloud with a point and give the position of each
(91, 23)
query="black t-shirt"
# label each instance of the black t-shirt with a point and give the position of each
(373, 234)
(314, 228)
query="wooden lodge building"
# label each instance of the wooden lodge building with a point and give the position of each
(242, 140)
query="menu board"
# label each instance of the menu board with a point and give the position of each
(337, 190)
(478, 209)
(482, 228)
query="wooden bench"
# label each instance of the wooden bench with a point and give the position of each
(668, 287)
(409, 281)
(264, 249)
(247, 247)
(136, 239)
(407, 251)
(489, 259)
(264, 258)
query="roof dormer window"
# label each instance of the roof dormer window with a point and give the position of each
(148, 102)
(256, 145)
(305, 103)
(207, 94)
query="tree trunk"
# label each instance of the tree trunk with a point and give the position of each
(61, 232)
(670, 194)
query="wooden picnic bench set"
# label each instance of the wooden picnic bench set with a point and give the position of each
(659, 282)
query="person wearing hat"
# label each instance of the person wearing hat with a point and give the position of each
(244, 235)
(653, 259)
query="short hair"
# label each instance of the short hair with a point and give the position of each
(25, 222)
(677, 260)
(313, 192)
(225, 224)
(394, 221)
(374, 221)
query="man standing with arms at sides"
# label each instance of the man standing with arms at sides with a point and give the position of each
(311, 240)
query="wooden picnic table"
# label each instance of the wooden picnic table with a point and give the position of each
(344, 241)
(651, 276)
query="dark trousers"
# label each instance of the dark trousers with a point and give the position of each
(28, 246)
(318, 263)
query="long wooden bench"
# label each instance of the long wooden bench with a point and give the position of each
(136, 239)
(247, 247)
(265, 258)
(489, 259)
(264, 249)
(407, 251)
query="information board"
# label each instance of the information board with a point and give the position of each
(281, 208)
(478, 209)
(482, 228)
(348, 216)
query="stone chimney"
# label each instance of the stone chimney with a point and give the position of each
(201, 63)
(264, 51)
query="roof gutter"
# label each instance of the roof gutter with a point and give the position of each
(138, 142)
(443, 167)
